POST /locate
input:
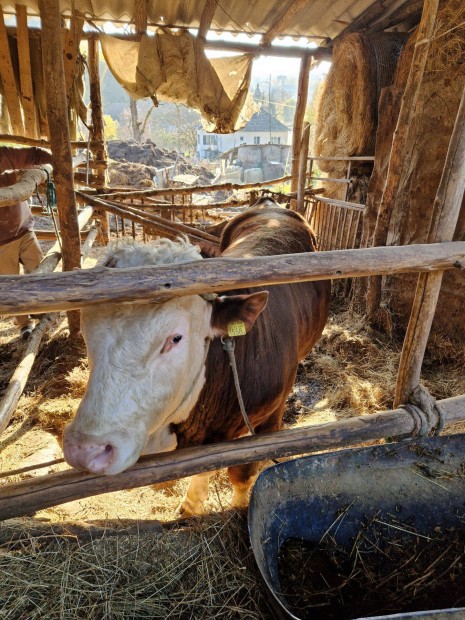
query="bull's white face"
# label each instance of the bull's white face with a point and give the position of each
(147, 364)
(147, 368)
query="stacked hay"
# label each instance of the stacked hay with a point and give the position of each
(347, 115)
(440, 92)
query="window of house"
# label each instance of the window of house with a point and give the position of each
(209, 140)
(275, 140)
(241, 138)
(256, 140)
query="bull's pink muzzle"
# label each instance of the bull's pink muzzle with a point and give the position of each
(87, 452)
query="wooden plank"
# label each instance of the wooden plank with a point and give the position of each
(446, 211)
(302, 180)
(149, 218)
(71, 39)
(10, 89)
(76, 289)
(402, 146)
(25, 76)
(302, 94)
(57, 114)
(27, 141)
(30, 495)
(140, 16)
(353, 158)
(284, 21)
(206, 18)
(195, 189)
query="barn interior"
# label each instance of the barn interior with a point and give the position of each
(382, 185)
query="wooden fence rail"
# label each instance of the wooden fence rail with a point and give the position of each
(27, 496)
(72, 290)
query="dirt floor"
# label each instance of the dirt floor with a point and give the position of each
(132, 567)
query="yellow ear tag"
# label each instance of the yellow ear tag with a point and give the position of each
(236, 328)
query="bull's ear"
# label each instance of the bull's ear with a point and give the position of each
(229, 311)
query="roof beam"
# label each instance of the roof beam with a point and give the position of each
(206, 19)
(284, 21)
(411, 11)
(140, 16)
(369, 15)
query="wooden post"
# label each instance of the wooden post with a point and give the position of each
(25, 76)
(303, 163)
(62, 159)
(446, 211)
(402, 145)
(99, 150)
(7, 77)
(302, 93)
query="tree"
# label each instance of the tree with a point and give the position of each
(111, 127)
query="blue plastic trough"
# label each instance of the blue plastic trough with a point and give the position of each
(421, 482)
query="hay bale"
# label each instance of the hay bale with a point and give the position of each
(434, 117)
(347, 106)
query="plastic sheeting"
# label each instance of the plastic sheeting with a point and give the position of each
(172, 66)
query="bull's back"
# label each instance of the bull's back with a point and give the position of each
(284, 333)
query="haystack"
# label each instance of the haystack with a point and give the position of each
(434, 117)
(347, 116)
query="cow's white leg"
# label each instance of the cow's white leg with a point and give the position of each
(197, 494)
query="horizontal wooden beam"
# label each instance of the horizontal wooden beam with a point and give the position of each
(294, 51)
(77, 289)
(23, 140)
(30, 495)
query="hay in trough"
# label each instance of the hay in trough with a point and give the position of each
(388, 568)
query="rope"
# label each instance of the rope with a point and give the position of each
(429, 418)
(51, 196)
(229, 345)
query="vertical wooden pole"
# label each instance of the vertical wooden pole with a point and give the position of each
(446, 211)
(302, 93)
(303, 163)
(402, 143)
(7, 76)
(62, 160)
(25, 76)
(99, 151)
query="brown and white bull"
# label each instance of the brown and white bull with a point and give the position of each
(159, 377)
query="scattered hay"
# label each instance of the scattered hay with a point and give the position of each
(206, 571)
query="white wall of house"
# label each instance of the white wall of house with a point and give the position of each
(210, 145)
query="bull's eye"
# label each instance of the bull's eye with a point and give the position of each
(171, 342)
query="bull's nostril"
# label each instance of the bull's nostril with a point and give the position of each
(108, 448)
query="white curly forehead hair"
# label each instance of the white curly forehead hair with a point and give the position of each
(129, 253)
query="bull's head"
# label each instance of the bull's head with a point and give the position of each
(147, 368)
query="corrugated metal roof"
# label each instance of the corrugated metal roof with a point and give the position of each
(318, 19)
